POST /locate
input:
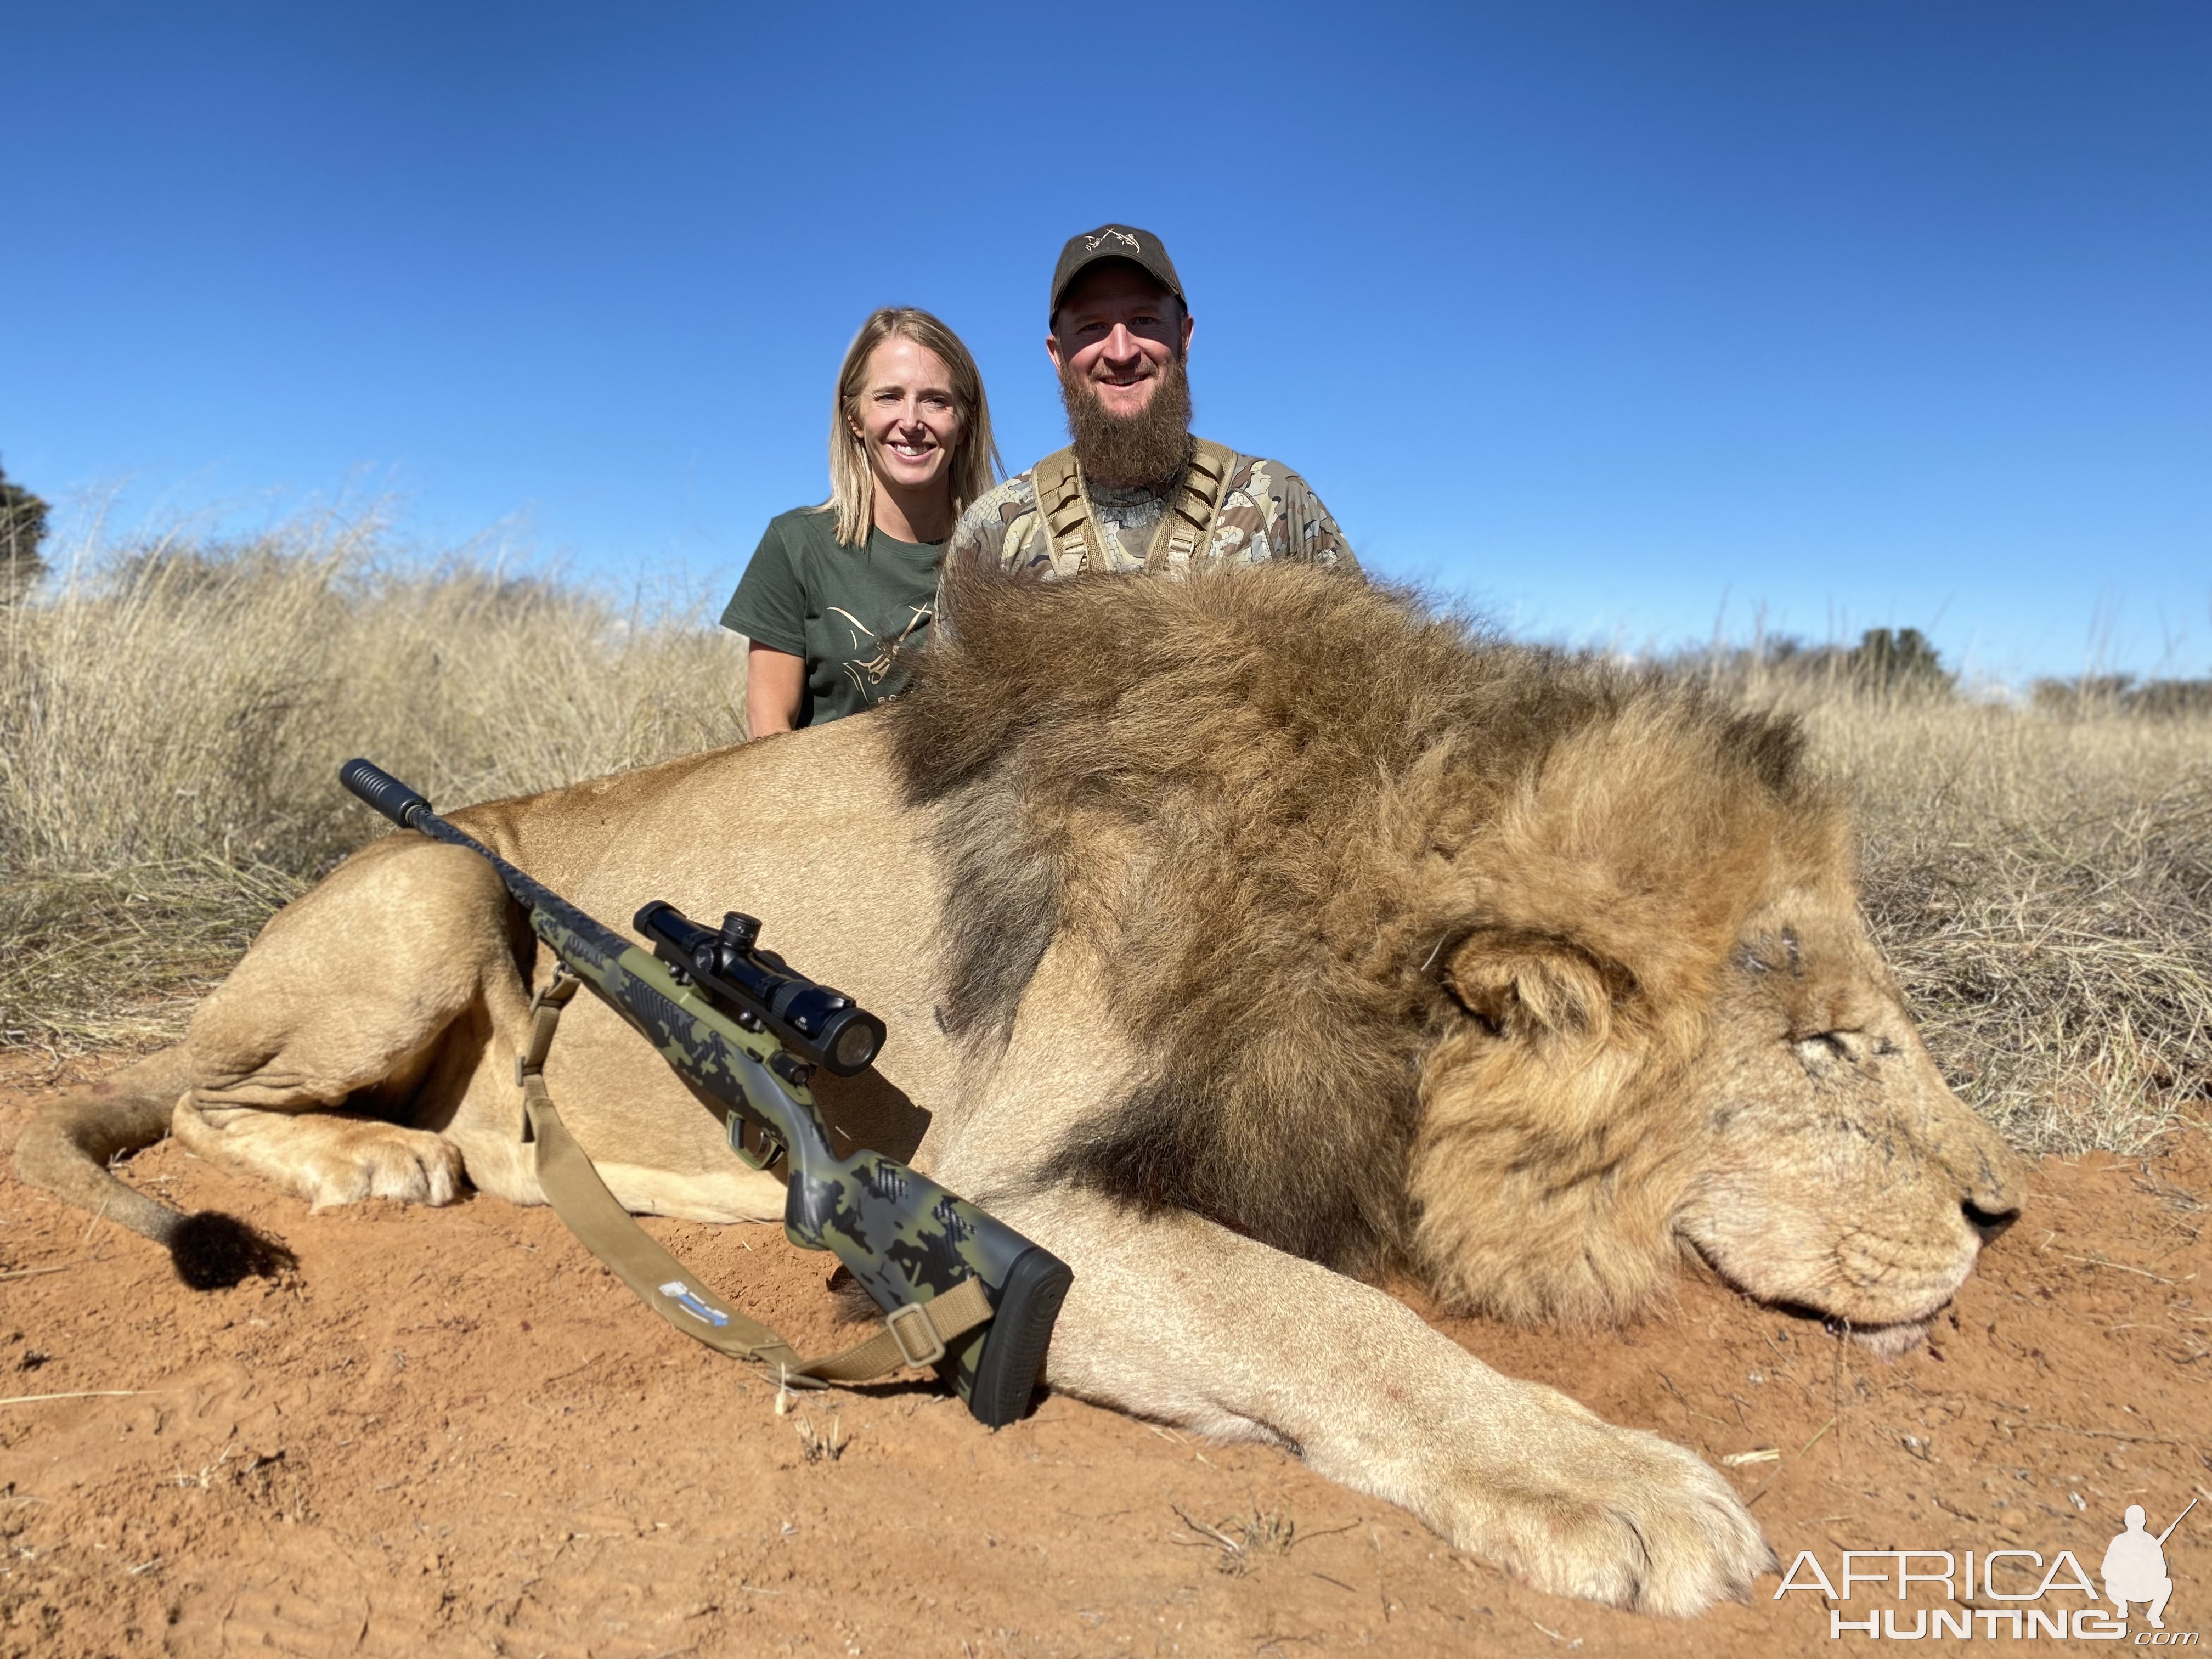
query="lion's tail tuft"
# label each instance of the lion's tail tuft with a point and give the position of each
(65, 1149)
(213, 1251)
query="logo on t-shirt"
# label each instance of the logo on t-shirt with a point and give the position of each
(869, 672)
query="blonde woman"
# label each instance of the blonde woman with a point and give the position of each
(838, 597)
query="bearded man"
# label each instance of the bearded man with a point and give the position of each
(1135, 491)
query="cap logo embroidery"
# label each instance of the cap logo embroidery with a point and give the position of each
(1091, 243)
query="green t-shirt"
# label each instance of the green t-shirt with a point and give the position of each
(854, 613)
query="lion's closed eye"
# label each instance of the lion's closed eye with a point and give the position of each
(1820, 1050)
(1834, 1045)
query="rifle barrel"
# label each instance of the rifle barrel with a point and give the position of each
(2178, 1520)
(905, 1238)
(409, 811)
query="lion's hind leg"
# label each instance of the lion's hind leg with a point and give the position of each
(352, 996)
(325, 1158)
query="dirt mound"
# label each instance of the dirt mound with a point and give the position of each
(450, 1432)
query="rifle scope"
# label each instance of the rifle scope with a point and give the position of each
(824, 1027)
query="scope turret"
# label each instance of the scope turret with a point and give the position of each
(822, 1026)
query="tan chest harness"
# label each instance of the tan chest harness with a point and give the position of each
(1187, 526)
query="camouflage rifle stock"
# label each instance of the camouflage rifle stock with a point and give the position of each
(743, 1030)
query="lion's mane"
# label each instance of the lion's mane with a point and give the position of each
(1298, 818)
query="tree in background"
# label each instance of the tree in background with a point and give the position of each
(2106, 694)
(1899, 659)
(22, 527)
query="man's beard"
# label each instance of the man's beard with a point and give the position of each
(1131, 452)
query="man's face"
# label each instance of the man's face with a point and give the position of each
(1116, 333)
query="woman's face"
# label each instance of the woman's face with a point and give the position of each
(908, 417)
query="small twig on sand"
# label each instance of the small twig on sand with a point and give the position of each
(2114, 1434)
(1782, 1465)
(561, 1376)
(1222, 1539)
(82, 1394)
(2117, 1266)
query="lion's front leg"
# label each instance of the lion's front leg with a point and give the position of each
(1181, 1321)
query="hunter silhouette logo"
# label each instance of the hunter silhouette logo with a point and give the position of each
(1999, 1593)
(2134, 1567)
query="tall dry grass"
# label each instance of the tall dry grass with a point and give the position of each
(171, 718)
(2040, 879)
(2043, 890)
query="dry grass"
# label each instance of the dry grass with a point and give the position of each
(93, 958)
(1245, 1540)
(2043, 890)
(2041, 881)
(171, 722)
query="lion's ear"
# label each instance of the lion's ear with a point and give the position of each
(1526, 985)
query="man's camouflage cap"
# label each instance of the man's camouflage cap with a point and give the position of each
(1138, 248)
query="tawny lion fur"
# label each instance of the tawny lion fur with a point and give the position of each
(1241, 937)
(1315, 795)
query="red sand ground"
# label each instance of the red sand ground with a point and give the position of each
(449, 1433)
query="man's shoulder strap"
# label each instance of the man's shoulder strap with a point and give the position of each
(1071, 533)
(1186, 527)
(1071, 538)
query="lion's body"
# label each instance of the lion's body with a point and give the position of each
(1228, 932)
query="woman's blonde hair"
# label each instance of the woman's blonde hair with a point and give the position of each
(974, 464)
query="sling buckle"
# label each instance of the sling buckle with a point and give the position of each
(897, 1322)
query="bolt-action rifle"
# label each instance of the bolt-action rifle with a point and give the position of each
(745, 1031)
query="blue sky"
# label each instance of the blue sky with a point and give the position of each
(1623, 320)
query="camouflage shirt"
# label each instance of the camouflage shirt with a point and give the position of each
(1267, 512)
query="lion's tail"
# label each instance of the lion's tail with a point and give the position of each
(65, 1149)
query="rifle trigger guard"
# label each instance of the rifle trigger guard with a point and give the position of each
(897, 1324)
(771, 1145)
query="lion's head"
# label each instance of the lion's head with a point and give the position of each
(1519, 971)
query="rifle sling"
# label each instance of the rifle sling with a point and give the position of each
(581, 1199)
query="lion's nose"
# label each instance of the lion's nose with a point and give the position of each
(1989, 1223)
(1992, 1179)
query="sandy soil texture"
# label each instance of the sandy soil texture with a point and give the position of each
(450, 1433)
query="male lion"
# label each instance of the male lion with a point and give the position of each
(1239, 937)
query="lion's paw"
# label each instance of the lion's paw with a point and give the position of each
(382, 1160)
(1615, 1516)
